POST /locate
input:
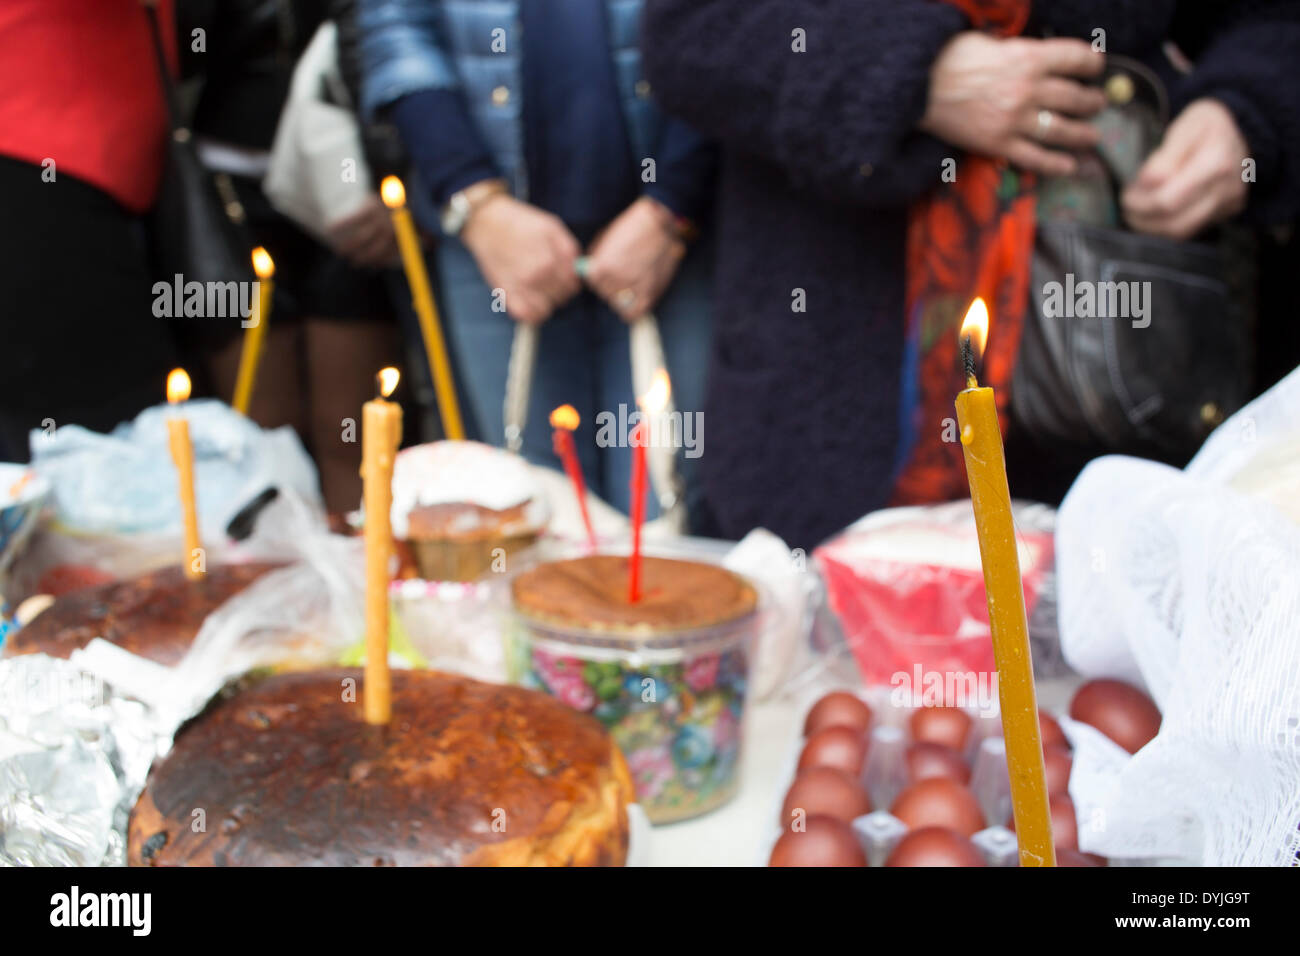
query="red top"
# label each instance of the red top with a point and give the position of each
(79, 85)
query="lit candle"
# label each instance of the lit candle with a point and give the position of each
(178, 439)
(408, 243)
(250, 355)
(986, 471)
(381, 433)
(565, 420)
(654, 401)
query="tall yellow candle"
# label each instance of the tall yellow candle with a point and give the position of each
(250, 355)
(178, 440)
(986, 470)
(417, 277)
(381, 433)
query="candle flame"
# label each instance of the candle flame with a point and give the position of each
(976, 325)
(178, 385)
(566, 417)
(263, 265)
(387, 380)
(393, 192)
(655, 400)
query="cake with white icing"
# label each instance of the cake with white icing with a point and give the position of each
(459, 504)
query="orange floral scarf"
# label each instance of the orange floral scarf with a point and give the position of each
(970, 237)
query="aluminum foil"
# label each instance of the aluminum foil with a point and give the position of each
(74, 754)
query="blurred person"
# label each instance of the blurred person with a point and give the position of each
(82, 131)
(836, 120)
(332, 326)
(531, 129)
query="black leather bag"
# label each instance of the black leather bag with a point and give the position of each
(197, 227)
(1166, 353)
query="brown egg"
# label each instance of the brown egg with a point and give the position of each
(1057, 760)
(838, 709)
(1065, 828)
(939, 802)
(1120, 711)
(1051, 731)
(949, 726)
(824, 841)
(1066, 857)
(926, 760)
(825, 791)
(841, 747)
(934, 846)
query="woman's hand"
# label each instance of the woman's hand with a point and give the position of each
(366, 238)
(632, 261)
(1013, 98)
(526, 252)
(1194, 179)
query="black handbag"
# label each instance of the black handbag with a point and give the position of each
(198, 227)
(1132, 344)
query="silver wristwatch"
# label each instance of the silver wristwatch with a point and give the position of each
(463, 202)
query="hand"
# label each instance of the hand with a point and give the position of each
(1194, 178)
(634, 258)
(366, 238)
(1008, 98)
(526, 252)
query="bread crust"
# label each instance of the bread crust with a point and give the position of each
(156, 615)
(288, 773)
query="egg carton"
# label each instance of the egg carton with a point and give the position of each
(885, 775)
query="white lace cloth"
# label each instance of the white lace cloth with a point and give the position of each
(1188, 583)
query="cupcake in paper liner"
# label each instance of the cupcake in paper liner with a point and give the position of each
(458, 505)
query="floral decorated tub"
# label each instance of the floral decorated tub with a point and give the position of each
(673, 702)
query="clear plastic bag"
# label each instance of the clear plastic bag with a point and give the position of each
(125, 482)
(114, 499)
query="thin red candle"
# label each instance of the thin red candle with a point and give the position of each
(652, 403)
(564, 420)
(640, 438)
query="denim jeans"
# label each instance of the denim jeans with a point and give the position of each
(583, 361)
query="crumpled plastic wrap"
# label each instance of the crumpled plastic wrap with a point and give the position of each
(74, 754)
(124, 482)
(114, 510)
(307, 614)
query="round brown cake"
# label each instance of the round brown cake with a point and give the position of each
(591, 593)
(156, 615)
(287, 772)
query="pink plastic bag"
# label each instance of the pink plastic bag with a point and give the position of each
(907, 587)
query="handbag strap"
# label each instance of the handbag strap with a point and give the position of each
(170, 96)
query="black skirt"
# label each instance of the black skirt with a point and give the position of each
(81, 344)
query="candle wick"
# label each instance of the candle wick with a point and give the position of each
(968, 362)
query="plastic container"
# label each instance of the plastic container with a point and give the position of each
(674, 701)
